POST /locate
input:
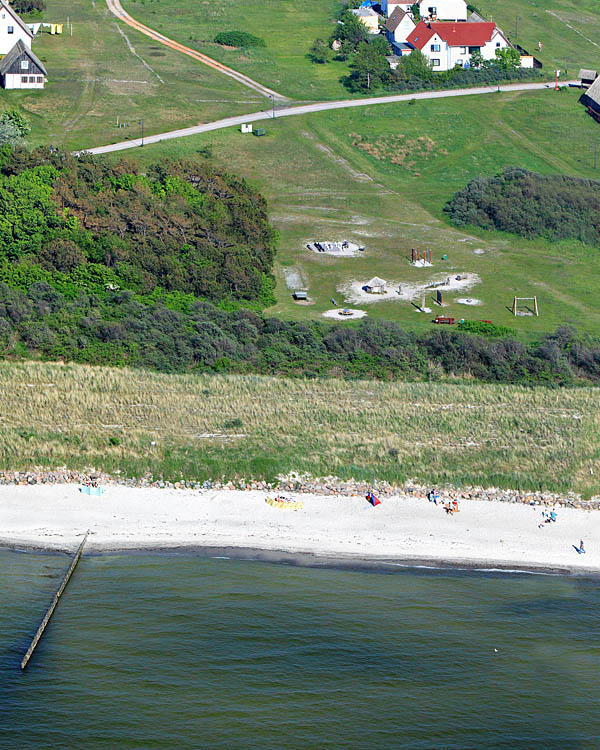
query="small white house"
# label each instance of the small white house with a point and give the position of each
(375, 286)
(12, 30)
(440, 10)
(21, 69)
(443, 10)
(450, 44)
(398, 26)
(369, 18)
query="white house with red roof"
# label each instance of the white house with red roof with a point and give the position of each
(12, 30)
(434, 10)
(450, 44)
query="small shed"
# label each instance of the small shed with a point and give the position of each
(375, 286)
(587, 77)
(591, 99)
(300, 295)
(21, 69)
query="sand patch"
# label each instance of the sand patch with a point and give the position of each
(344, 314)
(468, 301)
(354, 291)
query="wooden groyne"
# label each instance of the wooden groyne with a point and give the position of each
(40, 631)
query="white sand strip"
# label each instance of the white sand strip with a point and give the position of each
(401, 527)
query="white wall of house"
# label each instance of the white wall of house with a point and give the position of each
(444, 10)
(402, 30)
(10, 32)
(445, 57)
(497, 42)
(17, 81)
(369, 18)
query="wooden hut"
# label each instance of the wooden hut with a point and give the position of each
(375, 286)
(591, 99)
(587, 77)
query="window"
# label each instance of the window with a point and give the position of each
(39, 79)
(24, 79)
(11, 29)
(435, 63)
(497, 44)
(24, 64)
(460, 62)
(435, 47)
(31, 79)
(432, 11)
(463, 50)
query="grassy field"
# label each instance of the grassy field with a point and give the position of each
(251, 427)
(321, 183)
(288, 28)
(569, 30)
(95, 78)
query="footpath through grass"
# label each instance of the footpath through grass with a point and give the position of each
(212, 427)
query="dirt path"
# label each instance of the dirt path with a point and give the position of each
(116, 8)
(304, 109)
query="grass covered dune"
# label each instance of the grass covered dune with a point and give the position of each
(212, 427)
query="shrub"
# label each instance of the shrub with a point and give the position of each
(239, 39)
(481, 328)
(530, 205)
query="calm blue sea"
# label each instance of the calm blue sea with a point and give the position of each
(184, 651)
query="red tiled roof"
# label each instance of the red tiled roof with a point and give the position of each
(459, 34)
(420, 35)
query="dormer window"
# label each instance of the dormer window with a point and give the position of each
(24, 64)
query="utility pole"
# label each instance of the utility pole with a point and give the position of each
(141, 122)
(594, 148)
(517, 19)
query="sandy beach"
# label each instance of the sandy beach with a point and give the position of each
(401, 528)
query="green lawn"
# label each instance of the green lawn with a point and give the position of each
(288, 28)
(95, 78)
(574, 46)
(321, 186)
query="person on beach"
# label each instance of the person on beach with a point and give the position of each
(581, 547)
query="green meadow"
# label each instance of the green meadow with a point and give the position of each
(105, 73)
(568, 30)
(287, 27)
(380, 176)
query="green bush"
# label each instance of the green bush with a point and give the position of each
(531, 205)
(481, 328)
(239, 39)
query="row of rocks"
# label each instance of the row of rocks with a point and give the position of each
(327, 486)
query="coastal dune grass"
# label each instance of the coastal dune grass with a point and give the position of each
(232, 427)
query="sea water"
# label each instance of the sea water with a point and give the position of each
(186, 651)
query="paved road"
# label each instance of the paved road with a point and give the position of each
(115, 8)
(304, 109)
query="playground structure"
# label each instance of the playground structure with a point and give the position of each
(421, 261)
(515, 306)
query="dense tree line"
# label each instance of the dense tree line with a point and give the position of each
(531, 205)
(121, 330)
(183, 226)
